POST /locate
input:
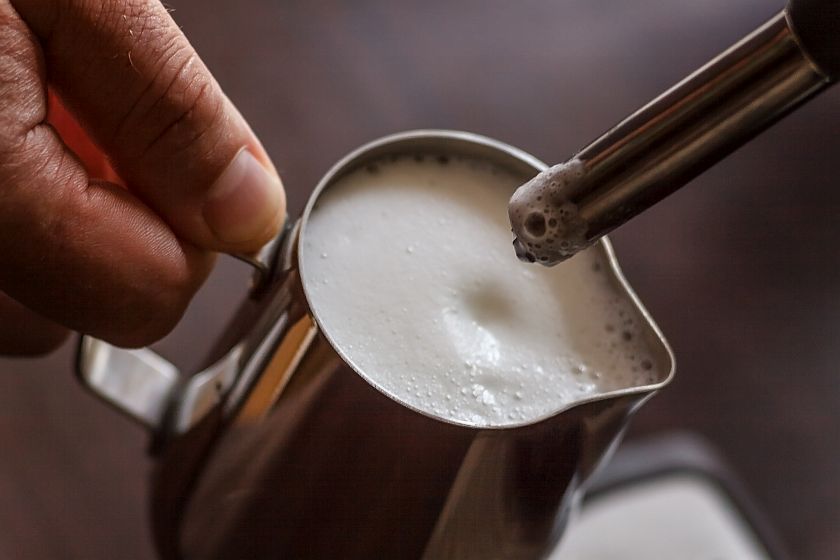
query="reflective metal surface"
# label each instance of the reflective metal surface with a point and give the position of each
(687, 129)
(304, 458)
(138, 383)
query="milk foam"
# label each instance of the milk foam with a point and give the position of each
(546, 222)
(407, 265)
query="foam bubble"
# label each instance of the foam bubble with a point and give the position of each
(547, 225)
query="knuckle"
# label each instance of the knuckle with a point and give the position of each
(179, 105)
(188, 109)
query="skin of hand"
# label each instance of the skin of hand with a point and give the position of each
(123, 170)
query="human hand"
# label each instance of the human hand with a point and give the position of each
(112, 237)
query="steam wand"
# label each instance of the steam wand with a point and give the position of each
(680, 134)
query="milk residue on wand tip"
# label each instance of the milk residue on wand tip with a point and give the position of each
(547, 225)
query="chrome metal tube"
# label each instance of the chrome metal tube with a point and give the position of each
(695, 124)
(678, 135)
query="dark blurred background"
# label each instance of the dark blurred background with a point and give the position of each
(740, 269)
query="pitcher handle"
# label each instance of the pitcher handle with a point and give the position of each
(142, 385)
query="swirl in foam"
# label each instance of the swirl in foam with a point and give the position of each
(407, 266)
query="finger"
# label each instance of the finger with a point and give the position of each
(87, 254)
(26, 333)
(128, 73)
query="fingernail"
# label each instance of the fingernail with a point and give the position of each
(245, 202)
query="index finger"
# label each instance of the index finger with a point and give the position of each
(134, 82)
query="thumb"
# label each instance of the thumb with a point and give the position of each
(131, 78)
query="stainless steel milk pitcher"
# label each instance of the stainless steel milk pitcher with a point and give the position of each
(282, 450)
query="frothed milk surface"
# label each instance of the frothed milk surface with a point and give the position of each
(407, 264)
